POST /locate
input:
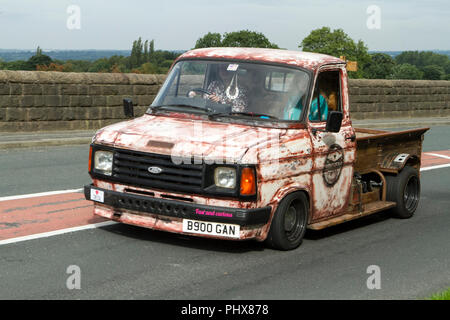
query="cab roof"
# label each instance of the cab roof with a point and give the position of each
(306, 60)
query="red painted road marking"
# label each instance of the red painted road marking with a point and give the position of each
(40, 214)
(43, 214)
(434, 158)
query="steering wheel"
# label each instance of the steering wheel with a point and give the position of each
(198, 90)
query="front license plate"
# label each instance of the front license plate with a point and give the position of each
(211, 228)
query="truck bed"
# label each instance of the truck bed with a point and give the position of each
(376, 149)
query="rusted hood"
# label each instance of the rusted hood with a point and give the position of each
(186, 137)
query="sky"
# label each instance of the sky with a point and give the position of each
(390, 25)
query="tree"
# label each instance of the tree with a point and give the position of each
(379, 67)
(209, 40)
(433, 72)
(242, 38)
(39, 59)
(406, 71)
(246, 38)
(422, 58)
(337, 43)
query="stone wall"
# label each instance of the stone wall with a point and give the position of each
(38, 100)
(374, 99)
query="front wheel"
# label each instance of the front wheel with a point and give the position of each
(289, 222)
(404, 189)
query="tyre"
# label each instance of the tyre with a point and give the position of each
(289, 222)
(404, 189)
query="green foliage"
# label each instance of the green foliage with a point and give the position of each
(406, 71)
(143, 59)
(248, 39)
(379, 67)
(209, 40)
(17, 65)
(433, 72)
(337, 43)
(38, 60)
(242, 38)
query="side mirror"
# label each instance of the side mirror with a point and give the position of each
(334, 121)
(128, 108)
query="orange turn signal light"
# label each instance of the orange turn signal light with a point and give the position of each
(248, 182)
(90, 158)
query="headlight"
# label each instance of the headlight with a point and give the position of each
(225, 177)
(103, 161)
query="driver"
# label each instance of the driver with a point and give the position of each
(296, 101)
(226, 89)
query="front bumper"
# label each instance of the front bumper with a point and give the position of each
(180, 209)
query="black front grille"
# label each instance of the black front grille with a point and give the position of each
(132, 167)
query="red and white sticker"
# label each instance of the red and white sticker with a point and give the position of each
(97, 195)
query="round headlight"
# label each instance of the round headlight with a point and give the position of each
(103, 161)
(225, 177)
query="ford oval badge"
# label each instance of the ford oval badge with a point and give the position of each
(155, 170)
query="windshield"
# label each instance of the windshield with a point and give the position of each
(232, 88)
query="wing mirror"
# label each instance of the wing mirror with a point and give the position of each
(334, 121)
(128, 108)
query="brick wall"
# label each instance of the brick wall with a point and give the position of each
(38, 100)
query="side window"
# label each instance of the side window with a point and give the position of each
(328, 96)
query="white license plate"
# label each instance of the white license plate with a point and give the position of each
(211, 228)
(97, 195)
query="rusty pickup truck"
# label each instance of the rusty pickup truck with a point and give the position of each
(245, 143)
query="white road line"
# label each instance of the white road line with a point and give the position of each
(95, 225)
(435, 167)
(438, 155)
(57, 232)
(41, 194)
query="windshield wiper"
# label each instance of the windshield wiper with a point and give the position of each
(207, 110)
(251, 114)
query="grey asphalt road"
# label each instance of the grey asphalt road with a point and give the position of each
(126, 262)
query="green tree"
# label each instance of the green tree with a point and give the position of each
(379, 67)
(337, 43)
(209, 40)
(422, 58)
(152, 47)
(406, 71)
(17, 65)
(39, 59)
(246, 38)
(242, 38)
(433, 72)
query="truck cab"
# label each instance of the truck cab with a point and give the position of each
(244, 143)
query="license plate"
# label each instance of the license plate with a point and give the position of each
(211, 228)
(97, 195)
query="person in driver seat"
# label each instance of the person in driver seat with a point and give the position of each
(294, 106)
(226, 89)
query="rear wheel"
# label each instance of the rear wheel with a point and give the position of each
(289, 222)
(404, 189)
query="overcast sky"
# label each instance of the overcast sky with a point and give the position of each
(177, 24)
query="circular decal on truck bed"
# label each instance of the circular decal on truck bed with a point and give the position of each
(334, 162)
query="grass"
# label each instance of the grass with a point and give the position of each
(441, 296)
